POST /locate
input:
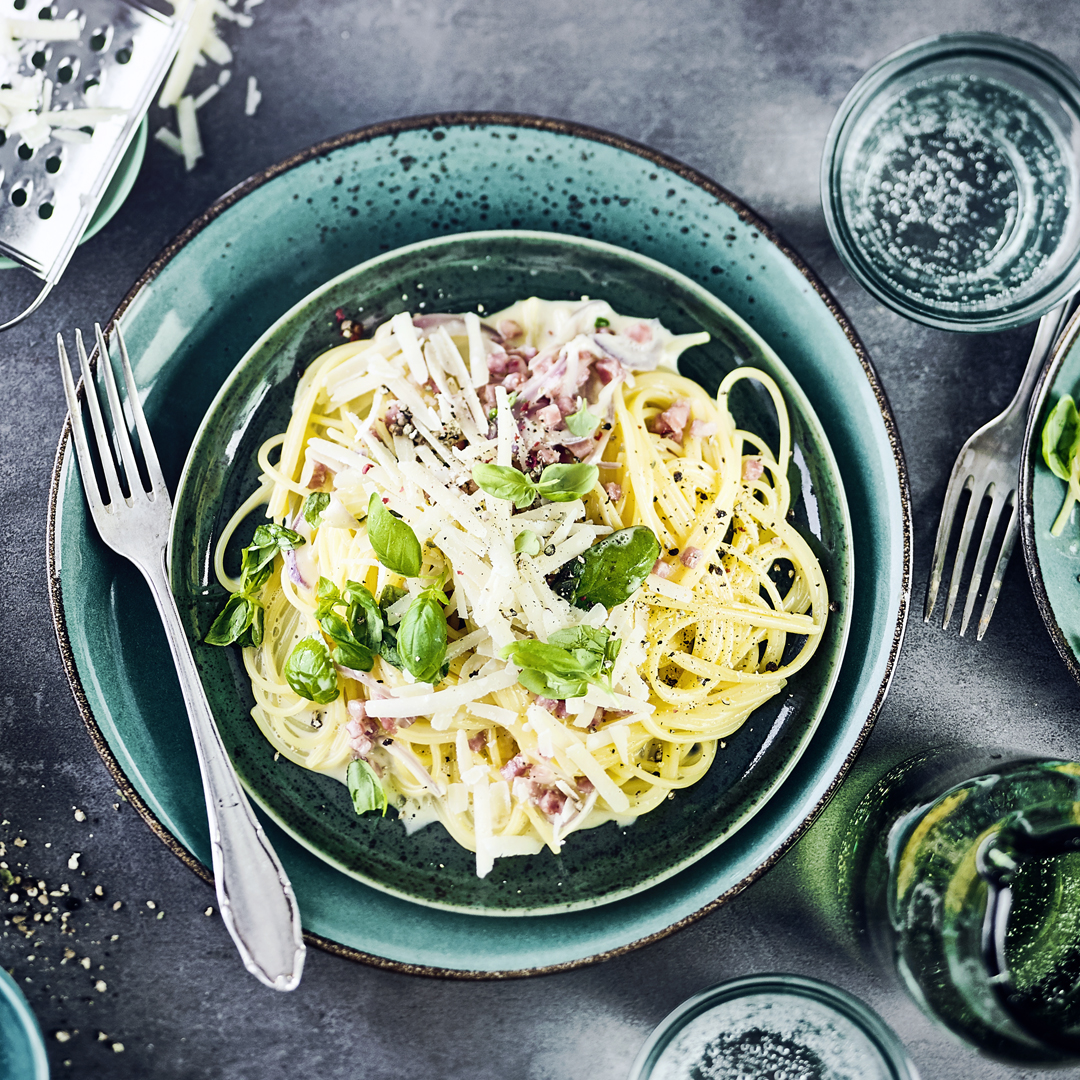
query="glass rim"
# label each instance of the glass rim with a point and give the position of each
(885, 1041)
(1040, 64)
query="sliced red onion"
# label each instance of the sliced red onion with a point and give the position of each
(294, 571)
(752, 469)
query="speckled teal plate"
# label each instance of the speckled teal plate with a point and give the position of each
(22, 1051)
(460, 273)
(1053, 562)
(211, 294)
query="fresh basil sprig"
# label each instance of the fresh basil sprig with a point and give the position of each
(310, 671)
(421, 637)
(241, 620)
(557, 483)
(565, 665)
(609, 572)
(394, 541)
(357, 635)
(313, 507)
(582, 422)
(365, 787)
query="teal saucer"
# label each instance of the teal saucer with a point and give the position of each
(22, 1050)
(266, 245)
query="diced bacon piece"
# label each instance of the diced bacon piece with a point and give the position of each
(516, 766)
(319, 473)
(691, 556)
(508, 328)
(527, 351)
(581, 448)
(662, 569)
(514, 381)
(639, 332)
(545, 455)
(501, 363)
(553, 706)
(551, 417)
(609, 369)
(614, 491)
(672, 420)
(752, 469)
(551, 802)
(703, 429)
(583, 784)
(478, 741)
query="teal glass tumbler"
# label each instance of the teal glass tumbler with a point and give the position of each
(950, 181)
(773, 1025)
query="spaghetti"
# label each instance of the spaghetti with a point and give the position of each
(523, 576)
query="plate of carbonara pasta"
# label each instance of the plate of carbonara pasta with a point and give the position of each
(520, 572)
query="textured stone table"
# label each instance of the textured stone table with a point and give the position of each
(742, 91)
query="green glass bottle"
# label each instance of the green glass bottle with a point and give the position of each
(962, 869)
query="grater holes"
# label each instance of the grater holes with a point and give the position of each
(20, 5)
(67, 69)
(90, 82)
(25, 152)
(53, 163)
(3, 137)
(100, 38)
(41, 57)
(20, 195)
(123, 54)
(47, 12)
(45, 211)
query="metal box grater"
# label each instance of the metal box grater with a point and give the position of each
(48, 195)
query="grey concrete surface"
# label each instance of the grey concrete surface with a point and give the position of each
(743, 91)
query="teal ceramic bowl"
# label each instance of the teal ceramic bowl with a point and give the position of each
(1053, 562)
(460, 273)
(22, 1051)
(119, 189)
(266, 245)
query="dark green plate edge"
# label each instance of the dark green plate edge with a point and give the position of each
(251, 379)
(1045, 556)
(899, 601)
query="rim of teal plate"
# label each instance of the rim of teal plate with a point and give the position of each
(13, 997)
(559, 127)
(1030, 459)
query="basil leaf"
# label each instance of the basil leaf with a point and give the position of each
(544, 684)
(421, 637)
(528, 542)
(1060, 435)
(234, 622)
(388, 648)
(594, 639)
(611, 571)
(352, 654)
(365, 787)
(576, 663)
(313, 507)
(564, 483)
(364, 616)
(582, 422)
(505, 482)
(393, 540)
(258, 559)
(390, 595)
(310, 672)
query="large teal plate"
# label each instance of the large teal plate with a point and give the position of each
(460, 272)
(22, 1050)
(1053, 562)
(270, 242)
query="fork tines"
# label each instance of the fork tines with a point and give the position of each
(116, 465)
(999, 501)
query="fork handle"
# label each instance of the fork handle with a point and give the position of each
(1045, 336)
(255, 896)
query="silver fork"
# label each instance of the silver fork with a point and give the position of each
(988, 467)
(254, 894)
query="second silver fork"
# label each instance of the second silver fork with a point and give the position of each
(988, 467)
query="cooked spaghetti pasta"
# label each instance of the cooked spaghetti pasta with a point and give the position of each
(733, 605)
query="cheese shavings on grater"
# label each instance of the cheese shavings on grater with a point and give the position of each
(76, 79)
